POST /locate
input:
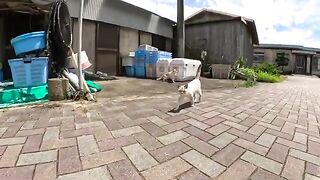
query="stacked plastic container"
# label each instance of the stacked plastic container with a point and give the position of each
(26, 71)
(128, 64)
(152, 60)
(140, 63)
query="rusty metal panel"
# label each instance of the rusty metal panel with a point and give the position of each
(107, 62)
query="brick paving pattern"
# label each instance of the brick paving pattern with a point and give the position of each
(271, 131)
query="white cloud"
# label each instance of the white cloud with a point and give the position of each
(298, 20)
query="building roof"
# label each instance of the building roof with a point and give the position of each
(218, 16)
(287, 47)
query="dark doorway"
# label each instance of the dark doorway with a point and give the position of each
(301, 63)
(159, 42)
(107, 48)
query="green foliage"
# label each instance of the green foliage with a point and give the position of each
(269, 78)
(249, 75)
(282, 60)
(267, 68)
(240, 63)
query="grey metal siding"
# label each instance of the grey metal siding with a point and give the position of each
(123, 14)
(225, 41)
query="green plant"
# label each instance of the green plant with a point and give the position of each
(250, 76)
(269, 78)
(267, 68)
(282, 60)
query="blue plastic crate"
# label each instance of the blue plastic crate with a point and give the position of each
(29, 42)
(154, 56)
(130, 71)
(27, 72)
(140, 71)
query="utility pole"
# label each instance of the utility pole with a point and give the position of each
(180, 29)
(80, 45)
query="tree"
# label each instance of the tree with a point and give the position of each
(282, 60)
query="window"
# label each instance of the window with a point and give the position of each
(258, 56)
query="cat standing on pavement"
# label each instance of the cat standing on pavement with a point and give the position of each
(190, 90)
(172, 75)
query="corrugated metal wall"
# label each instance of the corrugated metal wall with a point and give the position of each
(123, 14)
(225, 41)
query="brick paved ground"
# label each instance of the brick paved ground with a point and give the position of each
(266, 132)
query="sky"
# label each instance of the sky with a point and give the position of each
(295, 22)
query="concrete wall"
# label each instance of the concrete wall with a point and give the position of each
(225, 42)
(123, 14)
(145, 38)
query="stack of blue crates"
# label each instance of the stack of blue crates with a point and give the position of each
(143, 58)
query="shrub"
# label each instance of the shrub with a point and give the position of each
(249, 75)
(269, 78)
(267, 68)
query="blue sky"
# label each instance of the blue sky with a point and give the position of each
(278, 21)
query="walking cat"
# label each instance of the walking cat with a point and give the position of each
(172, 75)
(190, 90)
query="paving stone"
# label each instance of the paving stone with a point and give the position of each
(123, 170)
(218, 129)
(261, 174)
(223, 140)
(291, 144)
(313, 169)
(270, 126)
(3, 130)
(262, 162)
(87, 145)
(112, 124)
(102, 158)
(139, 157)
(288, 129)
(228, 154)
(170, 151)
(197, 124)
(100, 173)
(279, 134)
(153, 129)
(2, 150)
(305, 156)
(126, 131)
(314, 148)
(158, 121)
(30, 132)
(10, 156)
(311, 177)
(230, 118)
(249, 122)
(12, 141)
(56, 144)
(110, 144)
(90, 125)
(236, 125)
(256, 130)
(32, 144)
(293, 169)
(198, 133)
(300, 138)
(204, 164)
(167, 170)
(243, 135)
(45, 171)
(147, 141)
(278, 152)
(102, 134)
(193, 174)
(211, 114)
(266, 140)
(175, 126)
(173, 137)
(69, 160)
(17, 173)
(37, 158)
(176, 118)
(214, 121)
(196, 116)
(12, 130)
(201, 146)
(240, 170)
(52, 133)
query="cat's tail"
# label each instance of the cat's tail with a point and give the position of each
(199, 71)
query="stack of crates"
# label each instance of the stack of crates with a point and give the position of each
(151, 62)
(139, 63)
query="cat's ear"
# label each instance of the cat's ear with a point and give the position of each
(186, 86)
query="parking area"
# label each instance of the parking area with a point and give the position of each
(270, 131)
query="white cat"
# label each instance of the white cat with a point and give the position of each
(172, 75)
(190, 90)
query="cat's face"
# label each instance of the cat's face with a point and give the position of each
(182, 89)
